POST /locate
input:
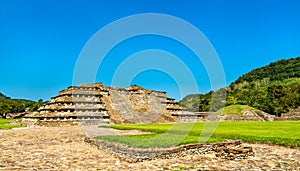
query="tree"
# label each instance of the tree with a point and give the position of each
(36, 105)
(5, 109)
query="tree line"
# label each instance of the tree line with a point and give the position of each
(9, 106)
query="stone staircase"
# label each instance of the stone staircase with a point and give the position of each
(265, 116)
(151, 111)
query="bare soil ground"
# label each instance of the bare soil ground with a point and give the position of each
(93, 131)
(63, 148)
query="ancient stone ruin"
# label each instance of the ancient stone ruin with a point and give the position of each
(292, 115)
(95, 104)
(232, 150)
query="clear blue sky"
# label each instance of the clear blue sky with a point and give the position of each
(41, 40)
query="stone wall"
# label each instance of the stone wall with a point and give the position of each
(247, 115)
(228, 150)
(58, 123)
(47, 123)
(292, 115)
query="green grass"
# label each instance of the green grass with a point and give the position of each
(6, 124)
(234, 109)
(167, 135)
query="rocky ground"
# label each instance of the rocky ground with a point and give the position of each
(63, 148)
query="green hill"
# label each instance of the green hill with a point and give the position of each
(274, 89)
(234, 109)
(275, 71)
(2, 96)
(8, 105)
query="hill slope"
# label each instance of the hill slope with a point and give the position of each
(2, 96)
(275, 71)
(274, 89)
(234, 109)
(8, 105)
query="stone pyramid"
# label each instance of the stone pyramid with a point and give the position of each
(95, 104)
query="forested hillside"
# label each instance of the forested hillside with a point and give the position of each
(274, 89)
(2, 96)
(275, 71)
(8, 105)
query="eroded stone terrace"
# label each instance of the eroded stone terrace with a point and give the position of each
(63, 148)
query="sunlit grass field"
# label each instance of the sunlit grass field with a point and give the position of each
(167, 135)
(6, 124)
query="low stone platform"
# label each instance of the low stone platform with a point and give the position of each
(229, 150)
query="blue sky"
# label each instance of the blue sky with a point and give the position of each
(40, 41)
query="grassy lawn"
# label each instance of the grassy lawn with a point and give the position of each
(166, 135)
(6, 124)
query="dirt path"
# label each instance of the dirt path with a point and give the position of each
(93, 131)
(64, 149)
